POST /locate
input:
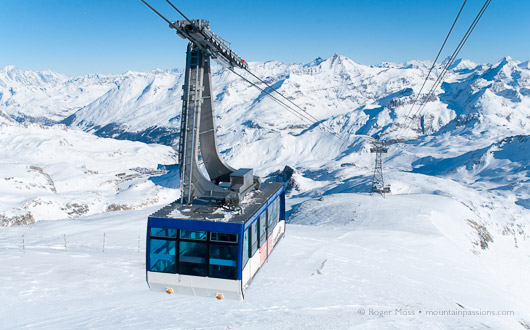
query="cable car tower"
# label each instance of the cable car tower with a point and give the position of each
(378, 182)
(211, 242)
(197, 128)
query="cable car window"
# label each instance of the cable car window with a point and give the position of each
(263, 228)
(245, 247)
(192, 258)
(277, 207)
(193, 234)
(164, 232)
(162, 256)
(254, 237)
(223, 261)
(221, 237)
(270, 218)
(274, 212)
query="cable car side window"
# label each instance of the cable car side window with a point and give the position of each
(164, 232)
(245, 247)
(162, 256)
(277, 210)
(274, 213)
(223, 261)
(270, 217)
(193, 234)
(222, 237)
(254, 237)
(192, 258)
(263, 228)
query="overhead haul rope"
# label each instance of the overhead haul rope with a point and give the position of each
(450, 61)
(304, 115)
(181, 13)
(315, 120)
(275, 90)
(434, 63)
(287, 107)
(301, 113)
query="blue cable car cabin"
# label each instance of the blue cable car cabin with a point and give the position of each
(204, 250)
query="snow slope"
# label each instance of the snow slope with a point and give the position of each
(452, 236)
(47, 96)
(49, 173)
(420, 258)
(397, 260)
(352, 98)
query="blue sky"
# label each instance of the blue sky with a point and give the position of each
(77, 37)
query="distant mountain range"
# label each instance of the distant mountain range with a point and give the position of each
(351, 98)
(473, 131)
(453, 234)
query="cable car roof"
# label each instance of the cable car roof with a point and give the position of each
(209, 209)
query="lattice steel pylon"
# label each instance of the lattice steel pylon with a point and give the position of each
(378, 182)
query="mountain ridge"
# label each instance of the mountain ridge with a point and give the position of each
(376, 99)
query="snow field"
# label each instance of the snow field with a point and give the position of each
(452, 236)
(53, 173)
(388, 257)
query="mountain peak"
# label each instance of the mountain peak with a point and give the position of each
(15, 75)
(524, 65)
(338, 58)
(507, 60)
(316, 61)
(341, 61)
(9, 68)
(417, 64)
(461, 64)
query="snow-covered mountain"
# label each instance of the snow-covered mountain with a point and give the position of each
(49, 173)
(106, 104)
(454, 233)
(353, 98)
(479, 108)
(472, 119)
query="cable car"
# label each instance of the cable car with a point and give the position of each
(214, 240)
(203, 249)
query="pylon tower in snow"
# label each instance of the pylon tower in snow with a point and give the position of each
(378, 182)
